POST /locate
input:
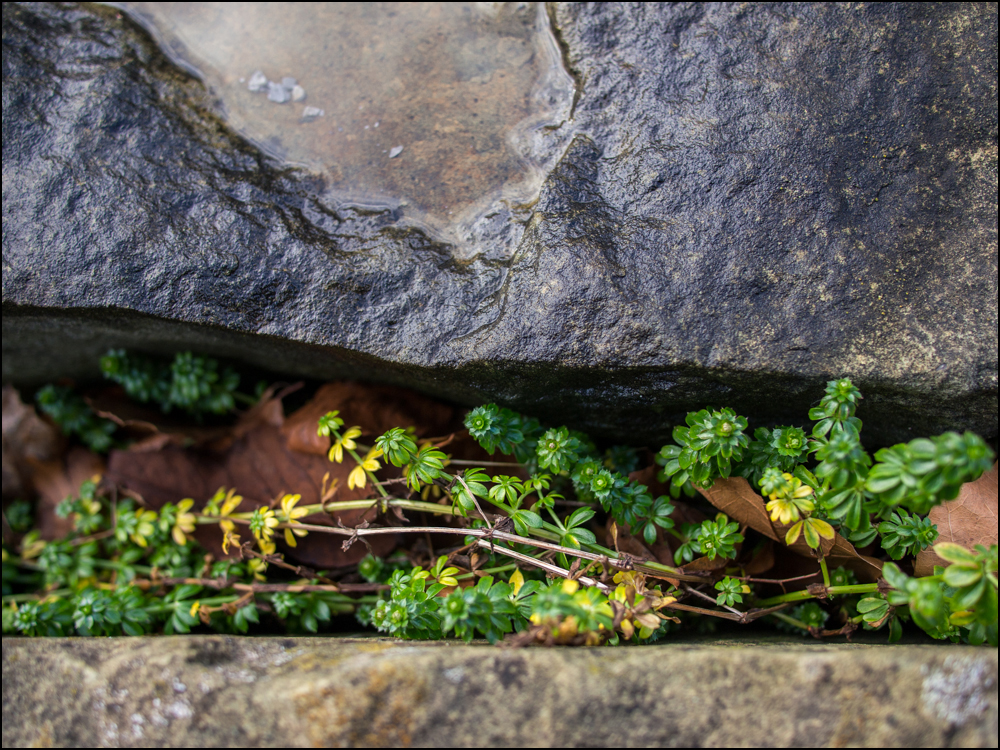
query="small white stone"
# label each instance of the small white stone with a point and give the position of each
(277, 93)
(311, 113)
(180, 710)
(258, 82)
(298, 93)
(395, 151)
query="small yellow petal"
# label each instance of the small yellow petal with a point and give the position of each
(793, 534)
(357, 477)
(178, 536)
(516, 580)
(290, 538)
(824, 529)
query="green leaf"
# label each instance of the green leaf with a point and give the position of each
(579, 517)
(529, 518)
(960, 576)
(872, 604)
(954, 553)
(969, 596)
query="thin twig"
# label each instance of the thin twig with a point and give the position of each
(702, 611)
(779, 581)
(706, 597)
(500, 535)
(548, 567)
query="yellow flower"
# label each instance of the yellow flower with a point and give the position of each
(229, 537)
(358, 477)
(144, 527)
(257, 567)
(346, 441)
(785, 507)
(813, 529)
(231, 503)
(263, 523)
(267, 546)
(185, 522)
(31, 545)
(195, 607)
(292, 514)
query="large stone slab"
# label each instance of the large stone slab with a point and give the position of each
(206, 691)
(750, 199)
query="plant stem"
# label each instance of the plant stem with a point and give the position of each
(210, 602)
(798, 596)
(35, 597)
(826, 573)
(500, 569)
(548, 532)
(790, 620)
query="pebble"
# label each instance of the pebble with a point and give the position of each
(258, 81)
(277, 93)
(310, 113)
(395, 151)
(288, 82)
(298, 93)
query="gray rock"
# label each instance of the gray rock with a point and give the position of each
(395, 151)
(754, 199)
(277, 92)
(288, 82)
(257, 82)
(206, 691)
(311, 113)
(298, 93)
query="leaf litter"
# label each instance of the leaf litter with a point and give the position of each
(968, 520)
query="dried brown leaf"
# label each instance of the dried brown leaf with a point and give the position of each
(27, 439)
(58, 479)
(736, 499)
(968, 520)
(261, 466)
(374, 408)
(761, 560)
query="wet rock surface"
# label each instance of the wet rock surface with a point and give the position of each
(215, 691)
(751, 200)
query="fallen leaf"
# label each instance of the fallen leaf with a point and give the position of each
(736, 499)
(374, 408)
(761, 560)
(27, 439)
(968, 520)
(58, 479)
(261, 466)
(151, 430)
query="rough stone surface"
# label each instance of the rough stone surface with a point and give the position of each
(753, 199)
(215, 691)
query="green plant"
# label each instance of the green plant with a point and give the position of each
(191, 382)
(74, 417)
(127, 568)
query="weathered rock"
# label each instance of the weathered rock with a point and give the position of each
(214, 691)
(754, 199)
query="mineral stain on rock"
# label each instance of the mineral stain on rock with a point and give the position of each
(460, 84)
